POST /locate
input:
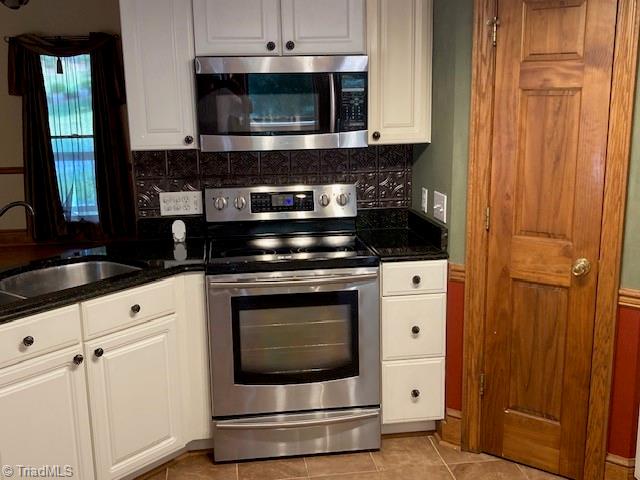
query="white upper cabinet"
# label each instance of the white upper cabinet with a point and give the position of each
(237, 27)
(312, 27)
(399, 46)
(277, 27)
(157, 41)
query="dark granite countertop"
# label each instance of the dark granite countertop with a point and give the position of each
(392, 234)
(402, 235)
(156, 259)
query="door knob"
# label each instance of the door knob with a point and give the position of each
(98, 352)
(28, 341)
(271, 46)
(581, 268)
(78, 359)
(376, 135)
(290, 45)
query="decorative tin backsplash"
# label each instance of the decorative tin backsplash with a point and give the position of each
(382, 174)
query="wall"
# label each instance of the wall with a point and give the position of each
(442, 165)
(50, 17)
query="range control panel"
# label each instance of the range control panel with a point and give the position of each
(280, 203)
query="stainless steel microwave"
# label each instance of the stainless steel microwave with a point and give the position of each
(281, 103)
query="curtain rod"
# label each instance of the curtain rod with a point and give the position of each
(56, 37)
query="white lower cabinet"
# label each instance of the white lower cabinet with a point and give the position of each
(135, 392)
(413, 315)
(412, 391)
(44, 416)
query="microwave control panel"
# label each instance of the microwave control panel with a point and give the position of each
(353, 101)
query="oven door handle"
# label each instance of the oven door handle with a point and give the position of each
(296, 424)
(287, 282)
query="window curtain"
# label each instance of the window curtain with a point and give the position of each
(113, 177)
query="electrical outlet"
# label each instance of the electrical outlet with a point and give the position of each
(174, 204)
(440, 206)
(425, 200)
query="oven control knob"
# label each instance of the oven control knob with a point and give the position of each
(240, 203)
(343, 200)
(220, 203)
(325, 200)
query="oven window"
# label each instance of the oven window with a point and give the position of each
(295, 338)
(263, 104)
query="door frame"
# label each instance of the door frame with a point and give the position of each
(478, 192)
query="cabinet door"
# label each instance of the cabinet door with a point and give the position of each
(413, 326)
(400, 37)
(134, 390)
(323, 28)
(412, 391)
(44, 415)
(237, 27)
(157, 41)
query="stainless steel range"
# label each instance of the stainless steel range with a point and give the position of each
(294, 323)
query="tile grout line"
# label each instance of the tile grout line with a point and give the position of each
(375, 464)
(306, 467)
(441, 458)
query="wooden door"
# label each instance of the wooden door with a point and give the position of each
(157, 43)
(553, 76)
(135, 391)
(237, 27)
(330, 27)
(45, 416)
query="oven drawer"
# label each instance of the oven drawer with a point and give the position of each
(39, 334)
(414, 278)
(297, 434)
(127, 308)
(412, 391)
(413, 326)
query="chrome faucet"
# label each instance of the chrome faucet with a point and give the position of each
(9, 206)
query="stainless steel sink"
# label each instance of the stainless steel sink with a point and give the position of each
(7, 298)
(53, 279)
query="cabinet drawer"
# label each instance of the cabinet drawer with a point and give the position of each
(129, 307)
(413, 326)
(39, 334)
(414, 278)
(399, 381)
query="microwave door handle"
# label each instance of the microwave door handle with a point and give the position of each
(289, 282)
(295, 424)
(333, 100)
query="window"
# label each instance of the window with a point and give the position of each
(67, 84)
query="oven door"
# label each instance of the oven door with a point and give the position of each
(294, 341)
(283, 103)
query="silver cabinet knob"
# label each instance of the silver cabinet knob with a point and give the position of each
(240, 203)
(325, 200)
(220, 203)
(343, 200)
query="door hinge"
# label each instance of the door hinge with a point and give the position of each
(487, 218)
(482, 384)
(494, 23)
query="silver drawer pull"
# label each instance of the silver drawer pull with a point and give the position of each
(296, 424)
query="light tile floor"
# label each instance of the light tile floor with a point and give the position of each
(400, 458)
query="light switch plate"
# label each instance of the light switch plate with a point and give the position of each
(180, 203)
(440, 206)
(425, 200)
